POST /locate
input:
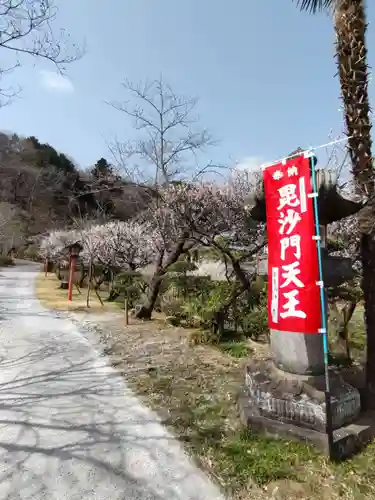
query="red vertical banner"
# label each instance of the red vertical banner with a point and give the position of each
(293, 293)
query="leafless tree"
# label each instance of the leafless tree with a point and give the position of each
(7, 213)
(11, 227)
(26, 28)
(167, 149)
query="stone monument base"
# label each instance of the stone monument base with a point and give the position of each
(293, 407)
(347, 440)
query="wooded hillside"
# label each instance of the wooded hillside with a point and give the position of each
(41, 188)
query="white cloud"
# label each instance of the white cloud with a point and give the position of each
(52, 80)
(251, 163)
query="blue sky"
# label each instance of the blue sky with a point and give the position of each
(264, 73)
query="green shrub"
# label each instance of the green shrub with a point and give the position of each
(202, 337)
(30, 253)
(185, 285)
(172, 320)
(6, 261)
(198, 307)
(130, 285)
(101, 272)
(195, 313)
(201, 309)
(172, 307)
(254, 324)
(236, 349)
(182, 266)
(199, 302)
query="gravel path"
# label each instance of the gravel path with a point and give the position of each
(69, 426)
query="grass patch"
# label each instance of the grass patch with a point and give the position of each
(263, 459)
(52, 297)
(6, 261)
(236, 349)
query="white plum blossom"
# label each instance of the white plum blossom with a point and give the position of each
(131, 244)
(54, 244)
(126, 245)
(94, 239)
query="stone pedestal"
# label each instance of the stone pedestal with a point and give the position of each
(300, 399)
(294, 407)
(297, 352)
(347, 440)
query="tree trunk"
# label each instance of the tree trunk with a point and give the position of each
(350, 26)
(83, 275)
(240, 274)
(58, 271)
(221, 315)
(244, 285)
(89, 284)
(181, 247)
(100, 281)
(111, 283)
(145, 312)
(343, 329)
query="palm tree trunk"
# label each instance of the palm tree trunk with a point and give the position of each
(350, 26)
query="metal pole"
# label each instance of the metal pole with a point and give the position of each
(323, 330)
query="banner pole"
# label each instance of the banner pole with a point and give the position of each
(324, 329)
(305, 151)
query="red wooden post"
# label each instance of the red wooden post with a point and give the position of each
(73, 259)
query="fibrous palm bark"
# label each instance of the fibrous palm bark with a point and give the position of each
(351, 56)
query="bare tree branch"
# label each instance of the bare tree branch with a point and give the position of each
(26, 27)
(169, 142)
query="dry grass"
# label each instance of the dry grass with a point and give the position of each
(195, 389)
(52, 297)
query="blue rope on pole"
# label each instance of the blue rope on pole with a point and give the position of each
(320, 266)
(324, 329)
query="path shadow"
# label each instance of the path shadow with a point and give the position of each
(70, 428)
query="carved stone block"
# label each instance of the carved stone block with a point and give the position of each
(300, 400)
